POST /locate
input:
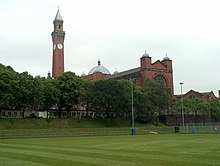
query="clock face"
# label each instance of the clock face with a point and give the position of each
(54, 46)
(59, 46)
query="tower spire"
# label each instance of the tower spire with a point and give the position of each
(58, 15)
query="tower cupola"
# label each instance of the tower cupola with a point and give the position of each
(166, 58)
(145, 55)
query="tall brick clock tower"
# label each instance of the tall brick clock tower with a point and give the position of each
(58, 36)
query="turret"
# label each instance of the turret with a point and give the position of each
(145, 61)
(166, 60)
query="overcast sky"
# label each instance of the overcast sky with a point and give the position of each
(117, 32)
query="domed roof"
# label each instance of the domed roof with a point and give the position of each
(145, 55)
(83, 74)
(99, 68)
(166, 58)
(116, 71)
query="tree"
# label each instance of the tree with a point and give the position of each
(9, 87)
(51, 93)
(151, 100)
(112, 96)
(67, 89)
(38, 92)
(214, 108)
(86, 97)
(70, 87)
(19, 91)
(191, 106)
(30, 93)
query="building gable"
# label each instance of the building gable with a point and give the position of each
(159, 65)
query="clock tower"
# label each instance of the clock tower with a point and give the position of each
(58, 36)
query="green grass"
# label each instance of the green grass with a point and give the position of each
(61, 123)
(23, 128)
(63, 132)
(75, 132)
(142, 150)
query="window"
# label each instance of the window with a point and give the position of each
(3, 113)
(59, 26)
(15, 113)
(9, 114)
(160, 79)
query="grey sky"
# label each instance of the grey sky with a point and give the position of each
(117, 32)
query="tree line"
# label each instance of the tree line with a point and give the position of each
(71, 92)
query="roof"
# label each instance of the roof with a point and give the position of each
(158, 61)
(210, 94)
(145, 55)
(58, 16)
(166, 58)
(124, 73)
(99, 68)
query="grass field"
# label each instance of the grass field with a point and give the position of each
(141, 150)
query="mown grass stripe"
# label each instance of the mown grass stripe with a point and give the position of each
(5, 161)
(85, 159)
(94, 154)
(32, 160)
(122, 150)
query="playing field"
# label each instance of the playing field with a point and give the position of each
(164, 149)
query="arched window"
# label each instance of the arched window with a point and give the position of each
(160, 79)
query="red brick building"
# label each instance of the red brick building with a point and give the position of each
(160, 71)
(204, 96)
(58, 46)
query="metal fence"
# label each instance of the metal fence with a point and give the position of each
(200, 128)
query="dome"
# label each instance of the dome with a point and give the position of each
(145, 55)
(99, 68)
(83, 74)
(166, 58)
(116, 71)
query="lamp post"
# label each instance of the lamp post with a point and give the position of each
(181, 85)
(133, 131)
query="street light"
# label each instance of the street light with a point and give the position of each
(133, 131)
(181, 84)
